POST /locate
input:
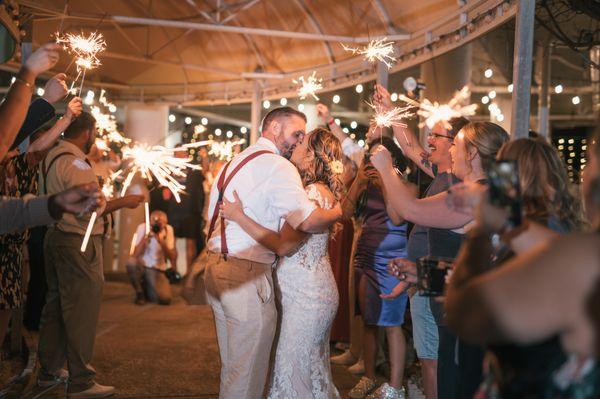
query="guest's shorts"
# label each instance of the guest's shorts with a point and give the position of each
(425, 330)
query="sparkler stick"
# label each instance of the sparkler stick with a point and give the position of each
(88, 232)
(376, 50)
(133, 240)
(147, 210)
(309, 86)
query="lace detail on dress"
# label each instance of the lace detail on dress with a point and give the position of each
(308, 299)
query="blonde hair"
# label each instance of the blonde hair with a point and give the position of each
(486, 138)
(326, 148)
(545, 187)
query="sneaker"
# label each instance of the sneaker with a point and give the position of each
(358, 368)
(95, 391)
(346, 359)
(139, 299)
(385, 391)
(362, 389)
(46, 381)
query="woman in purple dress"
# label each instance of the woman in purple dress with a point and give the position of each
(383, 238)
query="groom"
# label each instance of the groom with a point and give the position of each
(238, 276)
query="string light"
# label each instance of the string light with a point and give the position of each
(510, 88)
(558, 89)
(485, 99)
(394, 97)
(359, 88)
(188, 120)
(488, 73)
(336, 99)
(283, 102)
(266, 104)
(492, 94)
(172, 118)
(204, 121)
(244, 130)
(576, 100)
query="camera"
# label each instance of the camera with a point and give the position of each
(431, 275)
(156, 228)
(505, 190)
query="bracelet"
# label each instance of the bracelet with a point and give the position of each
(23, 81)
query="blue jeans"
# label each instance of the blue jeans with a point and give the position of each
(425, 330)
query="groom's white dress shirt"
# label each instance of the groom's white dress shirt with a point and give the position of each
(271, 190)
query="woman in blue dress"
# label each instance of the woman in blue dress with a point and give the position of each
(383, 238)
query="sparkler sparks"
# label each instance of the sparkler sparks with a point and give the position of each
(434, 113)
(85, 50)
(309, 86)
(391, 117)
(156, 162)
(377, 50)
(108, 185)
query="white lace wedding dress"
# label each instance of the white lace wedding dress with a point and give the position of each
(307, 303)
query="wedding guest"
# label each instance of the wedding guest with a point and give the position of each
(546, 197)
(340, 253)
(18, 178)
(424, 240)
(186, 216)
(474, 147)
(74, 277)
(383, 238)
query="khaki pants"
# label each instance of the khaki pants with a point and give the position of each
(70, 316)
(150, 282)
(241, 295)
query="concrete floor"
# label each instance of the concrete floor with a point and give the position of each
(156, 351)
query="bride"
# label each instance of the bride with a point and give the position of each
(307, 296)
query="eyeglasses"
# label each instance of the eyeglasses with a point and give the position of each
(441, 136)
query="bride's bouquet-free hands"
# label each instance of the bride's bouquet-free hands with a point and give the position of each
(233, 211)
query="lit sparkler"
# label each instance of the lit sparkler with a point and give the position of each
(309, 86)
(108, 185)
(88, 232)
(391, 117)
(377, 50)
(105, 123)
(85, 50)
(434, 113)
(156, 162)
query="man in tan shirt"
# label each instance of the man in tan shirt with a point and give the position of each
(75, 278)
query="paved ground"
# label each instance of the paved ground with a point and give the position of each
(155, 351)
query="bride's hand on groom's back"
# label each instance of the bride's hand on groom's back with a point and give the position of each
(233, 211)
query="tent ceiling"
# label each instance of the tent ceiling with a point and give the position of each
(202, 51)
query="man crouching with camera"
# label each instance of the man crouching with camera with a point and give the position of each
(147, 267)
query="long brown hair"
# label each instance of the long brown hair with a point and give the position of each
(326, 149)
(545, 188)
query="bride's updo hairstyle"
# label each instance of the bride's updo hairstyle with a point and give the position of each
(327, 166)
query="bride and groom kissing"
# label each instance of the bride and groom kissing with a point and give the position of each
(272, 214)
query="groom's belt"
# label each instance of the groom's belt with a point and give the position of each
(236, 261)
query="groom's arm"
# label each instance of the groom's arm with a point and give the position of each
(290, 201)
